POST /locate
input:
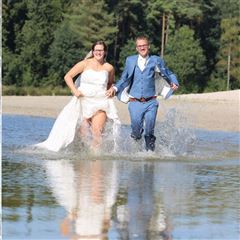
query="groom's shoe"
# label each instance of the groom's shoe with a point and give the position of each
(150, 142)
(137, 137)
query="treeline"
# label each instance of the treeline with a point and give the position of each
(199, 40)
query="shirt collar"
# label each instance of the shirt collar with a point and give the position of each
(141, 58)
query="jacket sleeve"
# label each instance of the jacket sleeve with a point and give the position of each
(166, 73)
(125, 79)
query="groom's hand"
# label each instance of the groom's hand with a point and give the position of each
(110, 92)
(174, 87)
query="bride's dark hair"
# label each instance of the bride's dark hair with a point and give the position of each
(100, 43)
(90, 54)
(103, 44)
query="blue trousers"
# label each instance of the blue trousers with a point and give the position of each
(143, 117)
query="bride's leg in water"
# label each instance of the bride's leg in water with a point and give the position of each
(98, 123)
(84, 129)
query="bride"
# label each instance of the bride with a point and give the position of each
(91, 105)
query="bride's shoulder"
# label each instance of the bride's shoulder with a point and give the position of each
(108, 67)
(82, 63)
(87, 63)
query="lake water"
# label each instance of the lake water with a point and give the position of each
(187, 189)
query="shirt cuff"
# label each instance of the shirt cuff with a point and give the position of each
(115, 88)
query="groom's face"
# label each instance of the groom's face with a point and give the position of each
(142, 47)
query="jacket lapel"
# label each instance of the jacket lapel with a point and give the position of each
(132, 65)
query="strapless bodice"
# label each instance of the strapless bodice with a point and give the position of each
(93, 81)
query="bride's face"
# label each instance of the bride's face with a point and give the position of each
(99, 52)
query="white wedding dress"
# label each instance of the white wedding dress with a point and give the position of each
(93, 85)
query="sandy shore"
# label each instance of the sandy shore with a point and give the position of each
(211, 111)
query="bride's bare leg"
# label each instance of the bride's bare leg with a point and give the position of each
(98, 123)
(84, 129)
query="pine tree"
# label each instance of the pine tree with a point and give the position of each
(65, 51)
(209, 32)
(174, 14)
(184, 56)
(91, 22)
(227, 71)
(37, 36)
(14, 16)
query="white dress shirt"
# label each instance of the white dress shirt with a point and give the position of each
(142, 62)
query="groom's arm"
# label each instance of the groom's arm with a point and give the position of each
(166, 73)
(124, 79)
(123, 82)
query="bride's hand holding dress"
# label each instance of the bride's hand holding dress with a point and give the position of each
(78, 93)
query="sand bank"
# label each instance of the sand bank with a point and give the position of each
(211, 111)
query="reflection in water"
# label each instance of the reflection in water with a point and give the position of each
(87, 191)
(142, 215)
(97, 206)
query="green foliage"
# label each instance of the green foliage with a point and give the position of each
(14, 13)
(37, 35)
(230, 48)
(11, 71)
(14, 16)
(41, 40)
(65, 51)
(229, 8)
(128, 49)
(36, 91)
(178, 14)
(91, 22)
(209, 32)
(184, 56)
(185, 9)
(129, 18)
(216, 82)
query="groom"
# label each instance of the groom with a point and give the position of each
(138, 79)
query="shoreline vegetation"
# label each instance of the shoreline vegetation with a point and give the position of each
(13, 90)
(218, 111)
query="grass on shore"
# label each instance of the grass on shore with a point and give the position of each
(12, 90)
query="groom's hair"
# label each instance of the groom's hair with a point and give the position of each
(142, 37)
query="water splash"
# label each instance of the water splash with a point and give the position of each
(175, 141)
(172, 141)
(174, 136)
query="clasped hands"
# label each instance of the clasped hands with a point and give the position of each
(110, 92)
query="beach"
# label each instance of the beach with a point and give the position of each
(218, 111)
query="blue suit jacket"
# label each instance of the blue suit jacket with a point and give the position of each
(124, 84)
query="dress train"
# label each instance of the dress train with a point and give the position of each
(63, 131)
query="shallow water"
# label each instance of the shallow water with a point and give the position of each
(187, 189)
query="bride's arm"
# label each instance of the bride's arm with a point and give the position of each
(111, 78)
(76, 69)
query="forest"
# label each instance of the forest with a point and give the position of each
(199, 40)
